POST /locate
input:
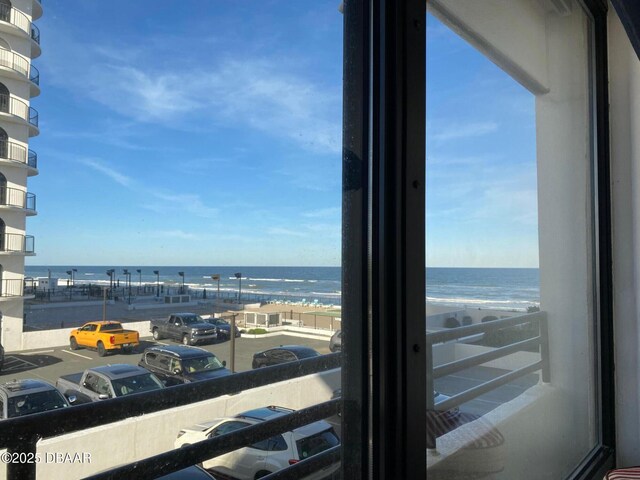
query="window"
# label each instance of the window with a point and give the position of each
(540, 194)
(511, 241)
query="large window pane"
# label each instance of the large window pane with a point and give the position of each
(191, 180)
(510, 250)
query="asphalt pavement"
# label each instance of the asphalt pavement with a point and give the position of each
(49, 364)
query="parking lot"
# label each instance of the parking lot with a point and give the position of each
(49, 364)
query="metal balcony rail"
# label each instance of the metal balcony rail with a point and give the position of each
(536, 320)
(34, 74)
(16, 17)
(13, 151)
(14, 106)
(33, 116)
(17, 243)
(13, 287)
(35, 33)
(12, 197)
(32, 159)
(21, 434)
(15, 62)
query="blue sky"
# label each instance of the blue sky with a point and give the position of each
(208, 133)
(481, 160)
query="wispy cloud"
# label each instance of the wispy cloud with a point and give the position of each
(258, 92)
(458, 131)
(285, 232)
(165, 201)
(110, 172)
(175, 234)
(323, 212)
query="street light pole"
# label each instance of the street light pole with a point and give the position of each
(127, 276)
(217, 277)
(104, 304)
(157, 274)
(232, 342)
(110, 272)
(182, 289)
(239, 277)
(140, 280)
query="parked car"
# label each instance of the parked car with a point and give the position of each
(24, 397)
(266, 456)
(177, 364)
(282, 354)
(108, 381)
(1, 356)
(223, 327)
(104, 337)
(188, 328)
(335, 344)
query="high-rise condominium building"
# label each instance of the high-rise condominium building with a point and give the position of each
(19, 83)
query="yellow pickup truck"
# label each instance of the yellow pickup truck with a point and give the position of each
(104, 337)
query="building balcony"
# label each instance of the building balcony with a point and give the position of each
(15, 199)
(36, 11)
(16, 110)
(18, 155)
(16, 244)
(11, 289)
(14, 21)
(18, 67)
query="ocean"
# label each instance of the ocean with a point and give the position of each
(495, 288)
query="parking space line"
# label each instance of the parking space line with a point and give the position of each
(12, 363)
(77, 354)
(39, 352)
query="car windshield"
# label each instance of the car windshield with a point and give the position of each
(317, 443)
(200, 364)
(136, 384)
(188, 320)
(34, 403)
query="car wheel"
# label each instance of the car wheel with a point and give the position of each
(156, 334)
(101, 350)
(185, 340)
(262, 473)
(73, 343)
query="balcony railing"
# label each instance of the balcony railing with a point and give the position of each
(34, 74)
(11, 288)
(14, 106)
(35, 33)
(18, 153)
(21, 434)
(12, 197)
(534, 321)
(32, 159)
(16, 17)
(17, 243)
(19, 64)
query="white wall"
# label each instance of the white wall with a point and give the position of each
(624, 92)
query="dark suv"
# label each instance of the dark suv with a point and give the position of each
(177, 364)
(282, 354)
